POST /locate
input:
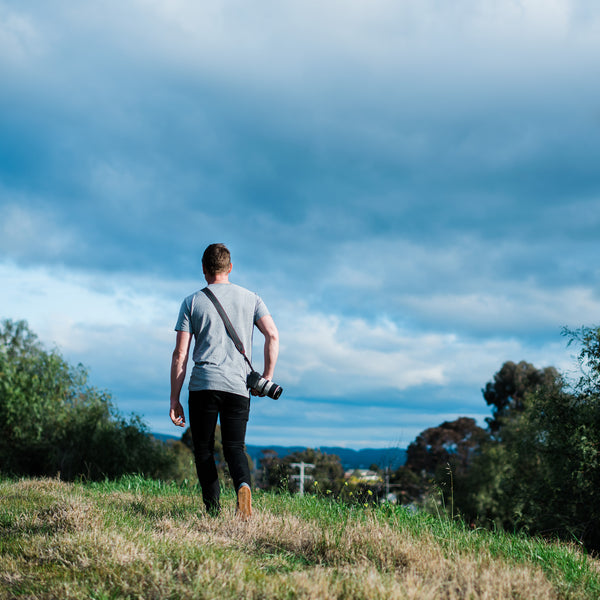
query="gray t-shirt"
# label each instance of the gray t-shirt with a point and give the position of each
(218, 365)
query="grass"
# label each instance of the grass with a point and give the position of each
(137, 538)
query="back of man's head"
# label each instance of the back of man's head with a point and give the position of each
(216, 259)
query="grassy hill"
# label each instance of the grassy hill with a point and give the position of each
(137, 538)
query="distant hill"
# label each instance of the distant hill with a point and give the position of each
(350, 459)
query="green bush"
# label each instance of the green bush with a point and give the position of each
(542, 474)
(52, 421)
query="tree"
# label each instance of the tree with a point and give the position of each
(275, 474)
(588, 339)
(182, 467)
(440, 457)
(33, 386)
(542, 474)
(408, 485)
(507, 393)
(328, 473)
(52, 421)
(452, 442)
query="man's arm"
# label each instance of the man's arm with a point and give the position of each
(178, 369)
(267, 327)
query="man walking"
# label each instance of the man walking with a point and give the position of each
(217, 385)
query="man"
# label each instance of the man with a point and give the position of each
(217, 385)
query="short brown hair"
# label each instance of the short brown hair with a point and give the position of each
(216, 259)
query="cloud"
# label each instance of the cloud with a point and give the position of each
(119, 327)
(531, 309)
(351, 358)
(122, 328)
(166, 108)
(464, 285)
(29, 234)
(19, 41)
(328, 354)
(352, 425)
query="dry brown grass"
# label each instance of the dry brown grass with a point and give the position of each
(68, 541)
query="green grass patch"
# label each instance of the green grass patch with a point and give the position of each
(135, 538)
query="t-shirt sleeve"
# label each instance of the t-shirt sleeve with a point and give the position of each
(260, 309)
(184, 321)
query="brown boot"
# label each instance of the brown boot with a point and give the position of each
(244, 503)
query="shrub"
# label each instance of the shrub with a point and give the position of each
(52, 421)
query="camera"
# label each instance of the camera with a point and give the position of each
(263, 387)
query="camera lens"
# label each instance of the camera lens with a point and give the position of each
(263, 387)
(272, 390)
(275, 392)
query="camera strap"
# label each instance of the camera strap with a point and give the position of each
(228, 325)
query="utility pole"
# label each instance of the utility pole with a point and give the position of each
(302, 466)
(387, 482)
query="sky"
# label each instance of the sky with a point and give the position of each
(413, 188)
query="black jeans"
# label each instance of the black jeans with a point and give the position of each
(204, 408)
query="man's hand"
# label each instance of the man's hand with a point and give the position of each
(255, 393)
(177, 415)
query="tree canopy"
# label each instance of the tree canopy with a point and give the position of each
(537, 466)
(53, 422)
(507, 392)
(542, 474)
(452, 442)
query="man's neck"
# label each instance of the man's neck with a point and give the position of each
(218, 278)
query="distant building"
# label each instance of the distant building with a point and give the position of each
(362, 476)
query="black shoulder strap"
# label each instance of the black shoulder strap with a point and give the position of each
(228, 325)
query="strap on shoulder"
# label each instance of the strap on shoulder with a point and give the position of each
(228, 325)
